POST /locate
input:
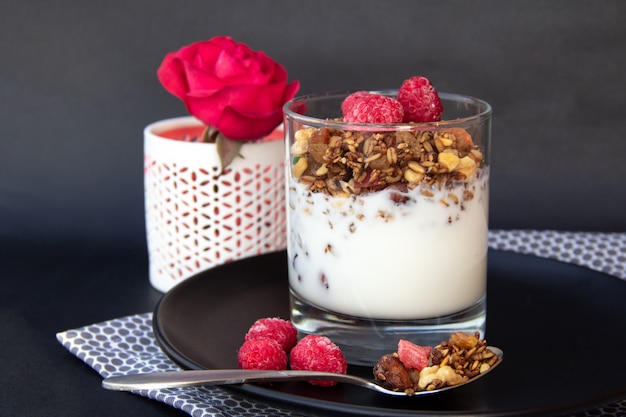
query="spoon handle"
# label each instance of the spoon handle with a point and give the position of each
(177, 379)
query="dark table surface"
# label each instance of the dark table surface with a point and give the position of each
(49, 289)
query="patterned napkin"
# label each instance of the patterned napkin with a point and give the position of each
(127, 345)
(604, 252)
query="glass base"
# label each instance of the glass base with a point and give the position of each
(363, 341)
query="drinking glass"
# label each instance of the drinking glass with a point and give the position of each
(387, 224)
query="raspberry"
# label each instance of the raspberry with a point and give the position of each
(420, 100)
(371, 108)
(262, 353)
(348, 102)
(318, 353)
(413, 356)
(283, 331)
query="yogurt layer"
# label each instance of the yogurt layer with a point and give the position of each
(371, 256)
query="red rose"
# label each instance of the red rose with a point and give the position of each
(227, 85)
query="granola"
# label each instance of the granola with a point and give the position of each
(348, 162)
(455, 361)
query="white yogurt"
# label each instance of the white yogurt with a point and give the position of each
(367, 256)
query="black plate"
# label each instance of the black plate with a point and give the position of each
(562, 329)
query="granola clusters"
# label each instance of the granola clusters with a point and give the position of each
(347, 162)
(462, 357)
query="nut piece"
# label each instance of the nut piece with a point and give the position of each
(466, 166)
(434, 377)
(301, 144)
(448, 160)
(321, 171)
(414, 166)
(446, 141)
(412, 176)
(300, 167)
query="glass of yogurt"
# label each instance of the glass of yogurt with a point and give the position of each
(387, 224)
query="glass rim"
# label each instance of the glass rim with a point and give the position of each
(484, 113)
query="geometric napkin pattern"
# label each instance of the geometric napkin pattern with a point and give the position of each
(600, 251)
(127, 346)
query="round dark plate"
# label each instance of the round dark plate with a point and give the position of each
(562, 329)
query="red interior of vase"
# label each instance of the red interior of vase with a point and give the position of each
(192, 133)
(185, 133)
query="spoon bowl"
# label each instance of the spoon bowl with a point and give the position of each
(178, 379)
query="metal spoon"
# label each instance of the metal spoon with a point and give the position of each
(178, 379)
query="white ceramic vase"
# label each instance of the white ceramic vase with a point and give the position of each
(196, 218)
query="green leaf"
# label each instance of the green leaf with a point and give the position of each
(209, 134)
(227, 149)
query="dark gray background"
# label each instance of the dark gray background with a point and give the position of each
(78, 85)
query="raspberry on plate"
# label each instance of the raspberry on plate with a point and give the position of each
(318, 353)
(419, 100)
(283, 331)
(363, 107)
(413, 356)
(262, 353)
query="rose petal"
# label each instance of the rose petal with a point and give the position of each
(235, 123)
(234, 63)
(200, 55)
(238, 126)
(249, 100)
(254, 69)
(291, 90)
(199, 79)
(171, 74)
